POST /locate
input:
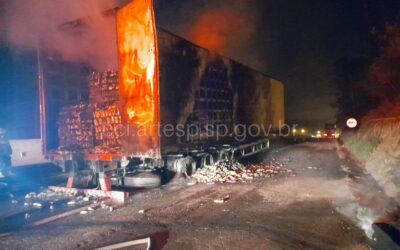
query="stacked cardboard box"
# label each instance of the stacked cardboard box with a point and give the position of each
(103, 87)
(97, 125)
(75, 128)
(108, 126)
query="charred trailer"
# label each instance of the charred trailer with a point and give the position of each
(172, 106)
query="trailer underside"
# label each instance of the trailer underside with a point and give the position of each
(106, 170)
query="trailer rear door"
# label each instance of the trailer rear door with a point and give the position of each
(139, 81)
(60, 84)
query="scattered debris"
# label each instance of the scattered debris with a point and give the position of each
(222, 200)
(62, 215)
(30, 195)
(191, 182)
(70, 203)
(37, 204)
(135, 244)
(42, 195)
(233, 171)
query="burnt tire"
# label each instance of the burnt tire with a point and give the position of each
(142, 180)
(185, 166)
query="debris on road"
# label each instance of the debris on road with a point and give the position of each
(63, 215)
(134, 244)
(37, 204)
(30, 195)
(233, 171)
(70, 203)
(222, 200)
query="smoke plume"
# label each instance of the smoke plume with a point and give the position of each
(34, 22)
(226, 27)
(221, 30)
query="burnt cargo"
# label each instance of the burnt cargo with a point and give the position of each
(182, 85)
(198, 87)
(191, 87)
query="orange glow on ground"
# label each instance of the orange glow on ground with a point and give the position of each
(139, 83)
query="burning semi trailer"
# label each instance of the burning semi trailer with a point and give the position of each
(172, 107)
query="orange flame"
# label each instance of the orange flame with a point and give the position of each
(218, 29)
(139, 84)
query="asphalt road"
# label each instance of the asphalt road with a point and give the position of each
(313, 207)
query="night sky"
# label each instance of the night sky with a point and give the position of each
(295, 41)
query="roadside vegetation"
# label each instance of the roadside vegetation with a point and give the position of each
(376, 141)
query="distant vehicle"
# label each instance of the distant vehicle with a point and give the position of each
(330, 131)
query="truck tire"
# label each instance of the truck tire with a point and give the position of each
(142, 180)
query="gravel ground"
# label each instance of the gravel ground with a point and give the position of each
(308, 208)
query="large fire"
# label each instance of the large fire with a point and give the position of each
(139, 84)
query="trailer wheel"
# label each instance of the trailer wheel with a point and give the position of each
(185, 166)
(142, 180)
(224, 156)
(190, 166)
(207, 160)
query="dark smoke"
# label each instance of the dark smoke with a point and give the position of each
(30, 23)
(227, 27)
(221, 29)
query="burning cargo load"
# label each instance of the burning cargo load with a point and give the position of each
(75, 129)
(103, 87)
(107, 124)
(93, 126)
(165, 82)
